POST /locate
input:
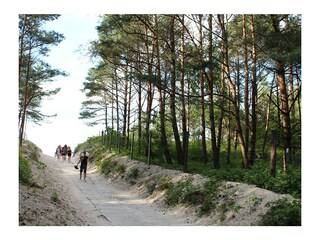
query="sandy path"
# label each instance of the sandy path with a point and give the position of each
(103, 203)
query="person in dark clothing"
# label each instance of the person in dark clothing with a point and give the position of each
(69, 153)
(84, 156)
(64, 152)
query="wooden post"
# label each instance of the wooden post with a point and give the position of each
(273, 153)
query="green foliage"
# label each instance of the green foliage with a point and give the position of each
(184, 192)
(30, 151)
(121, 39)
(25, 173)
(29, 154)
(173, 194)
(54, 197)
(163, 183)
(283, 213)
(132, 175)
(210, 190)
(151, 186)
(107, 166)
(256, 201)
(34, 73)
(120, 168)
(285, 183)
(89, 143)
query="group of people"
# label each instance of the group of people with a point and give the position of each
(63, 153)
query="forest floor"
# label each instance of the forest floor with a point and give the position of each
(60, 198)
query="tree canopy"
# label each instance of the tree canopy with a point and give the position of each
(35, 75)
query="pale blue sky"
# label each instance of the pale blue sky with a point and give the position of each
(66, 128)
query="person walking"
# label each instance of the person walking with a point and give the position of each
(69, 152)
(84, 156)
(58, 152)
(64, 152)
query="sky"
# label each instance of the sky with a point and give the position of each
(77, 24)
(66, 127)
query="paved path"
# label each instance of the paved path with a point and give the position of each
(103, 203)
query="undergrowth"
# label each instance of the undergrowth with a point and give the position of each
(184, 192)
(25, 173)
(282, 213)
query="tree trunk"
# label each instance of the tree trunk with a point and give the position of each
(139, 113)
(254, 97)
(222, 97)
(246, 82)
(215, 155)
(163, 134)
(150, 93)
(235, 139)
(234, 94)
(22, 45)
(273, 153)
(238, 90)
(203, 118)
(129, 109)
(106, 114)
(183, 105)
(228, 150)
(125, 102)
(286, 126)
(25, 99)
(117, 109)
(173, 93)
(188, 127)
(162, 121)
(268, 114)
(299, 106)
(112, 115)
(285, 112)
(292, 102)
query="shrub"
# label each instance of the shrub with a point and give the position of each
(120, 168)
(172, 194)
(25, 173)
(54, 197)
(182, 192)
(163, 183)
(282, 213)
(132, 175)
(150, 185)
(209, 203)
